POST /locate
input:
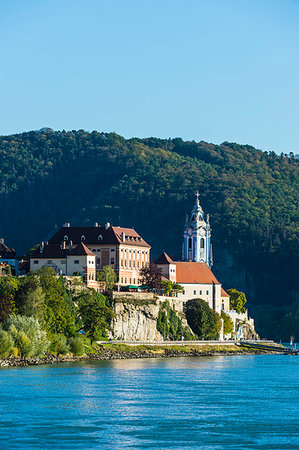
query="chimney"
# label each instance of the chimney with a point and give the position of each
(107, 225)
(42, 247)
(96, 224)
(70, 245)
(63, 245)
(1, 240)
(123, 236)
(66, 225)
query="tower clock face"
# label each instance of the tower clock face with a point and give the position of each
(190, 231)
(202, 232)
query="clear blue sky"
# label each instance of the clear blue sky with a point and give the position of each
(210, 70)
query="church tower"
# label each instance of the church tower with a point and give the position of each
(197, 237)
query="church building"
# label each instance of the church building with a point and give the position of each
(194, 272)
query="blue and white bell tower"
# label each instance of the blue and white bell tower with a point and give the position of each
(197, 237)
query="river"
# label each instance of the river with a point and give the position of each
(222, 402)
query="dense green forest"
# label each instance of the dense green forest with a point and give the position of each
(48, 177)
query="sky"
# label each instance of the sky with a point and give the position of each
(217, 70)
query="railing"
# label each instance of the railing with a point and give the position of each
(166, 343)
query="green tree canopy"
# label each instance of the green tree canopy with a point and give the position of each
(94, 314)
(237, 300)
(202, 320)
(108, 276)
(228, 326)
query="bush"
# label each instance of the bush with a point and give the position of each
(77, 345)
(6, 344)
(59, 344)
(27, 335)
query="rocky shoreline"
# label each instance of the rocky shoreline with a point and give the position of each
(121, 351)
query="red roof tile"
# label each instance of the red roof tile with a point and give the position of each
(80, 250)
(164, 259)
(194, 272)
(223, 293)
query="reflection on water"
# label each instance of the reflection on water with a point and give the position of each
(212, 402)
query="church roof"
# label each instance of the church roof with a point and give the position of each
(223, 293)
(194, 272)
(164, 259)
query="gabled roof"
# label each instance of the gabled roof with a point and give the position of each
(98, 235)
(6, 252)
(164, 259)
(194, 272)
(49, 251)
(80, 250)
(223, 293)
(57, 251)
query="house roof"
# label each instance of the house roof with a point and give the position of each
(194, 272)
(80, 249)
(6, 252)
(98, 235)
(57, 251)
(164, 259)
(223, 293)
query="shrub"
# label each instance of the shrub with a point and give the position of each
(27, 335)
(59, 344)
(76, 345)
(6, 344)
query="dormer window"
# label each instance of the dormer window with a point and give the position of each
(65, 238)
(100, 237)
(83, 237)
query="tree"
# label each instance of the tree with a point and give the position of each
(7, 306)
(94, 314)
(202, 320)
(30, 298)
(169, 286)
(59, 307)
(237, 300)
(152, 276)
(228, 326)
(108, 276)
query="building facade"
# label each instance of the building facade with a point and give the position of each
(8, 255)
(122, 248)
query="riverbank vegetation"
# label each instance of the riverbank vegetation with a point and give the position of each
(40, 314)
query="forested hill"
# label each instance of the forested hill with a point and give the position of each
(48, 177)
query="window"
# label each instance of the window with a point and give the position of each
(65, 238)
(35, 261)
(50, 261)
(202, 243)
(94, 250)
(190, 243)
(63, 261)
(99, 250)
(83, 237)
(100, 237)
(76, 261)
(112, 250)
(125, 280)
(207, 292)
(194, 292)
(184, 292)
(200, 292)
(112, 261)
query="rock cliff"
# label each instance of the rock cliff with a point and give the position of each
(136, 320)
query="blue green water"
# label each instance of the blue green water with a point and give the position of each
(229, 402)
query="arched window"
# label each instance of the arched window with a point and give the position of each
(82, 237)
(66, 238)
(100, 237)
(202, 243)
(190, 243)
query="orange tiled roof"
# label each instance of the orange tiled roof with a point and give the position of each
(164, 259)
(224, 293)
(194, 272)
